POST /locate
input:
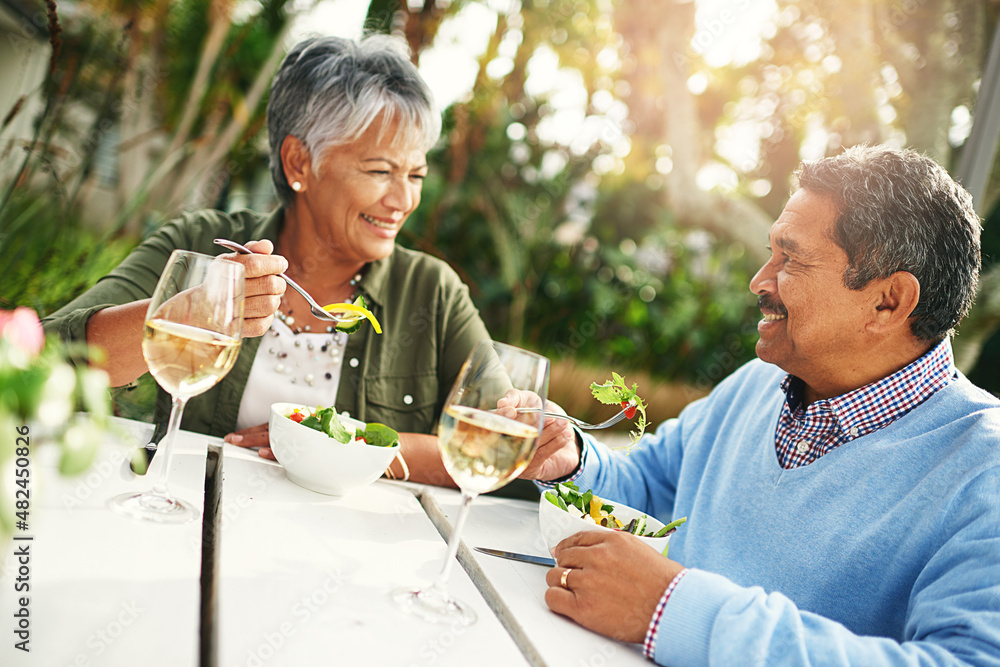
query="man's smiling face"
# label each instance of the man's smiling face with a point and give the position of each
(813, 326)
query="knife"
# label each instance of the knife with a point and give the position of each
(524, 558)
(146, 453)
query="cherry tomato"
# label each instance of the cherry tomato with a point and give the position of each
(629, 411)
(297, 417)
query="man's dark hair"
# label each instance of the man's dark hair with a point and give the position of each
(899, 210)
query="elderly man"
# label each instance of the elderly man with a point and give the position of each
(843, 490)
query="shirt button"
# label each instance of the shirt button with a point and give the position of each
(854, 431)
(802, 446)
(353, 362)
(407, 399)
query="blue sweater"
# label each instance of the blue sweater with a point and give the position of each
(886, 551)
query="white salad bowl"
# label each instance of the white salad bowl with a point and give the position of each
(557, 524)
(314, 460)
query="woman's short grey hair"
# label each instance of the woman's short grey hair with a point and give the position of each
(900, 211)
(328, 90)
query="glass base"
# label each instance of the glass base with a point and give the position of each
(151, 506)
(433, 605)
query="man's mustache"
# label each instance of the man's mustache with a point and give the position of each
(767, 302)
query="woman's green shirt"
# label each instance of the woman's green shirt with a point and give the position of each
(400, 378)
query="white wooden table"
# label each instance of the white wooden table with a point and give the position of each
(290, 576)
(106, 589)
(305, 578)
(516, 590)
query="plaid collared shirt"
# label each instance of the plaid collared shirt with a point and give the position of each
(805, 434)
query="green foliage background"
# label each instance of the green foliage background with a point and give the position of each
(605, 268)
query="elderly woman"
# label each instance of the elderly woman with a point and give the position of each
(349, 125)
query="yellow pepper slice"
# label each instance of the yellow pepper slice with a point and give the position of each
(351, 308)
(595, 508)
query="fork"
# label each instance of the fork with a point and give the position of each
(314, 307)
(579, 423)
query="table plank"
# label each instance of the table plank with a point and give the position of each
(517, 590)
(305, 578)
(104, 588)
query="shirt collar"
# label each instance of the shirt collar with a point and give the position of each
(269, 225)
(375, 278)
(876, 405)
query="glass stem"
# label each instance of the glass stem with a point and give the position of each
(441, 583)
(165, 450)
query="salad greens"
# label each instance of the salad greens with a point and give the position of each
(616, 392)
(567, 495)
(327, 421)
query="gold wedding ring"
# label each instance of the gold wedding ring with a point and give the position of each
(565, 576)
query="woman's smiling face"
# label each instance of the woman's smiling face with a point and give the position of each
(362, 193)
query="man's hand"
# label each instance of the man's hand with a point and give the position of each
(614, 583)
(263, 288)
(255, 436)
(557, 454)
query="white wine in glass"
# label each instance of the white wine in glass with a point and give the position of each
(483, 449)
(191, 339)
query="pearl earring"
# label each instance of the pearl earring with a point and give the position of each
(296, 186)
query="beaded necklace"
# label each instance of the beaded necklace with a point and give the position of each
(313, 355)
(319, 357)
(290, 321)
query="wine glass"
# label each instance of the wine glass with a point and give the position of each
(482, 449)
(190, 340)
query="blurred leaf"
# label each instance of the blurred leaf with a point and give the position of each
(79, 446)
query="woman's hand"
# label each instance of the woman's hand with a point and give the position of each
(263, 288)
(557, 454)
(255, 436)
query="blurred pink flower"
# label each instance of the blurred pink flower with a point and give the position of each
(22, 327)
